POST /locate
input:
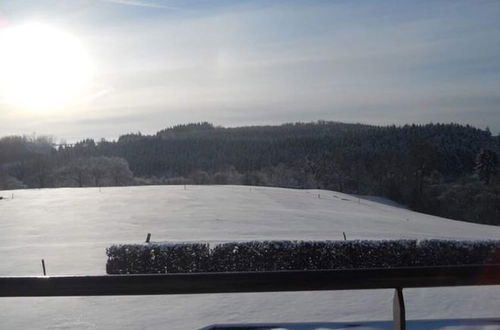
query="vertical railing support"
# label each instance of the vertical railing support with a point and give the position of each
(398, 310)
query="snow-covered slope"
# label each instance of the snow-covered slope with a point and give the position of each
(70, 229)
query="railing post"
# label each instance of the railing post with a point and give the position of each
(398, 310)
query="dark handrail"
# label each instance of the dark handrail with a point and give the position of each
(228, 282)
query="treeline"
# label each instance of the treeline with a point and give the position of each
(33, 162)
(449, 170)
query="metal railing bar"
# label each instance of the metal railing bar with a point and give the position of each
(230, 282)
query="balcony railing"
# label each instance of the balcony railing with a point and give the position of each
(275, 281)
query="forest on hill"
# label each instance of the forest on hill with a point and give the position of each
(449, 170)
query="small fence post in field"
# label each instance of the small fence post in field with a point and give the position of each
(43, 268)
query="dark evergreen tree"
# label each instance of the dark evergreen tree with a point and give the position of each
(486, 164)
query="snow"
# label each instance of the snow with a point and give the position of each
(71, 227)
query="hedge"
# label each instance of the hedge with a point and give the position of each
(158, 258)
(296, 255)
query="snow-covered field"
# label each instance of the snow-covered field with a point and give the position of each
(70, 229)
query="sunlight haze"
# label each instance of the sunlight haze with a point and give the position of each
(43, 69)
(160, 63)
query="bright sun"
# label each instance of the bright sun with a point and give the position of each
(42, 69)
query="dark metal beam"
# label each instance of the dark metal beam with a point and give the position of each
(196, 283)
(398, 310)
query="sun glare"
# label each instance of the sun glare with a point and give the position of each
(42, 69)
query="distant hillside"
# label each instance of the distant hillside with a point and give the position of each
(431, 168)
(181, 149)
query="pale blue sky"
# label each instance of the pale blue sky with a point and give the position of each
(161, 63)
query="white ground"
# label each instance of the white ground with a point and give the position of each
(70, 229)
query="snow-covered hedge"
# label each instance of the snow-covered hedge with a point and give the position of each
(449, 252)
(310, 255)
(296, 255)
(158, 258)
